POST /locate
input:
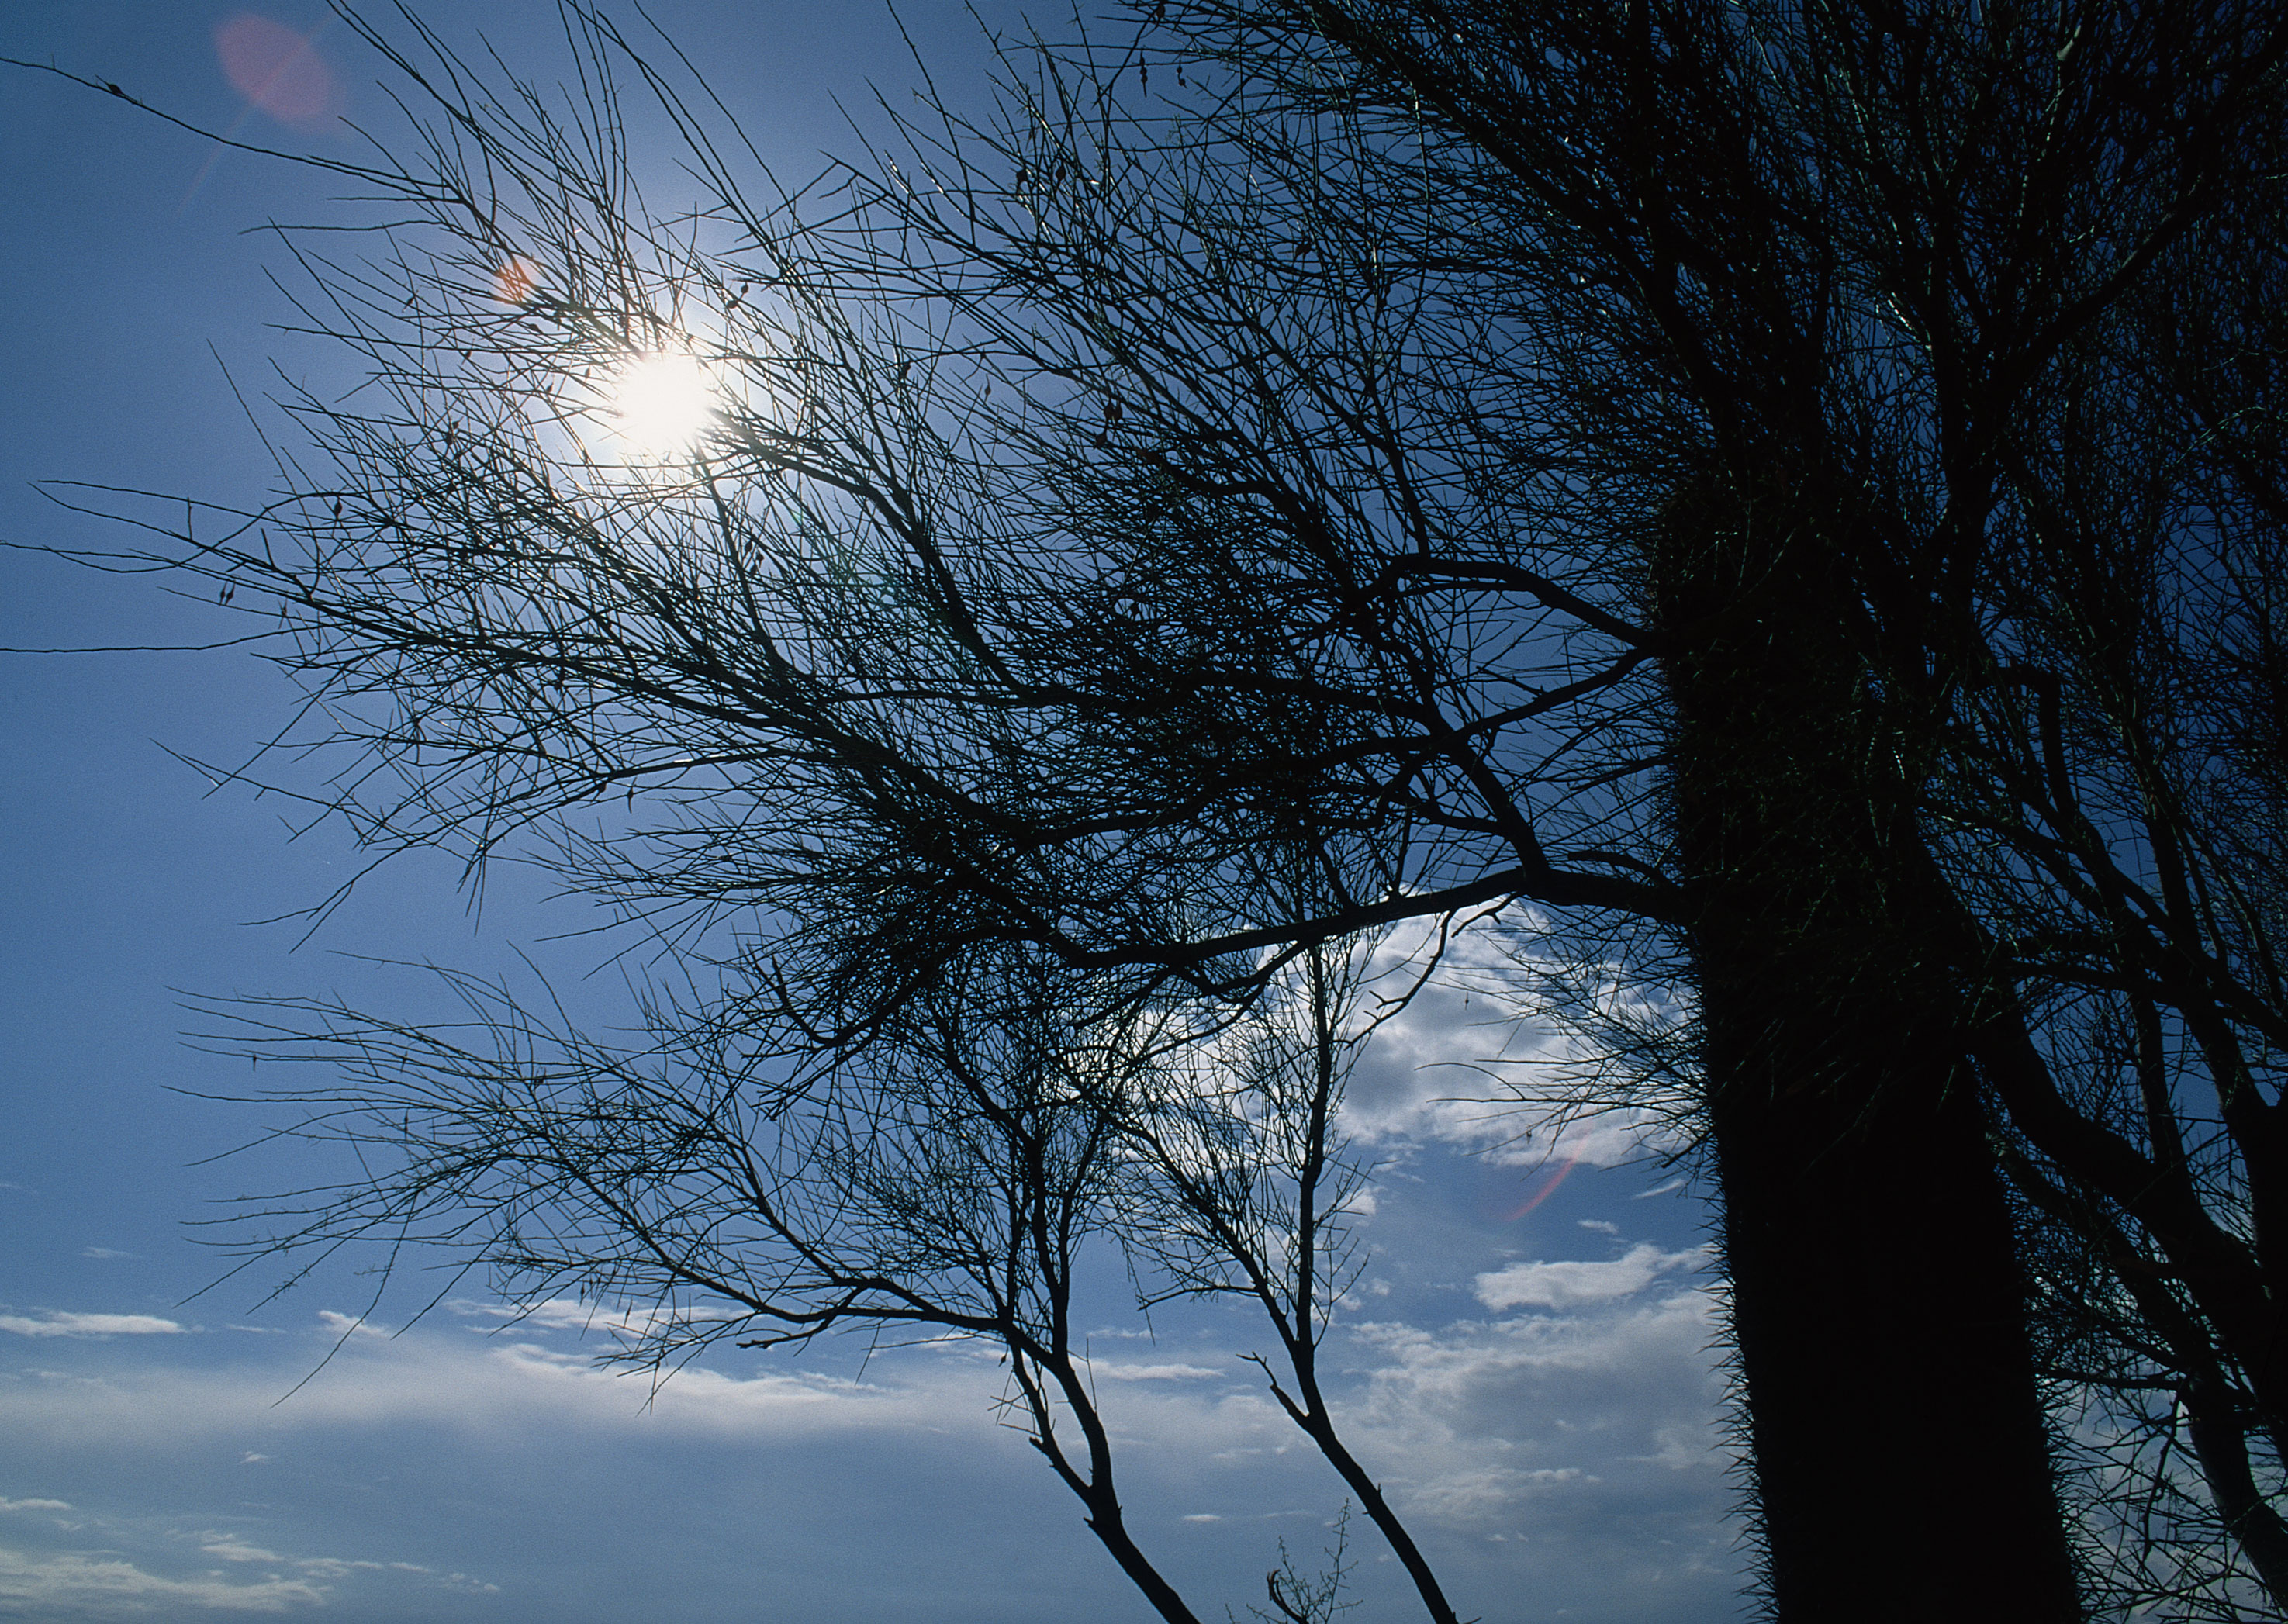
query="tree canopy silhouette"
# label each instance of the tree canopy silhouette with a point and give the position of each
(1789, 493)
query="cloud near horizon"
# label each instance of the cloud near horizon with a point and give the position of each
(54, 1323)
(73, 1583)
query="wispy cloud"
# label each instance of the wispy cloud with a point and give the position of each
(1582, 1438)
(57, 1324)
(624, 1324)
(430, 1377)
(51, 1586)
(1569, 1285)
(1466, 1061)
(137, 1570)
(1154, 1373)
(344, 1326)
(237, 1550)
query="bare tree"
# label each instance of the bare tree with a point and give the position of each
(951, 1181)
(1919, 280)
(2117, 827)
(1621, 458)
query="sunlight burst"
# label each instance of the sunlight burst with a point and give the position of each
(661, 403)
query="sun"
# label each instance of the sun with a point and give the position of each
(661, 403)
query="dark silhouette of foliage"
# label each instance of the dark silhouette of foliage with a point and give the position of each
(1791, 493)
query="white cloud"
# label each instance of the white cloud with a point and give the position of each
(106, 1252)
(1580, 1436)
(54, 1324)
(1569, 1285)
(426, 1376)
(625, 1324)
(231, 1550)
(1154, 1373)
(1473, 1494)
(336, 1567)
(1481, 1422)
(137, 1571)
(344, 1326)
(110, 1587)
(1466, 1061)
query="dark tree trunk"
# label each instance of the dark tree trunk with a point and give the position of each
(1901, 1458)
(1899, 1447)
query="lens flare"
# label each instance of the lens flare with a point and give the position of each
(661, 403)
(279, 71)
(1548, 1188)
(514, 281)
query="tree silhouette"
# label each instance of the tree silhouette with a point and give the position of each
(951, 1180)
(1788, 492)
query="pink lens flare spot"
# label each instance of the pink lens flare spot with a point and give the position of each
(1547, 1188)
(278, 70)
(513, 282)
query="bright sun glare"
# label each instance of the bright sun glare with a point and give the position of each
(661, 403)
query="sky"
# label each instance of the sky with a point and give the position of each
(1529, 1363)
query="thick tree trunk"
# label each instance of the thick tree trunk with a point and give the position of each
(1900, 1453)
(1899, 1449)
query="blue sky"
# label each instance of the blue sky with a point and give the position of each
(1526, 1363)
